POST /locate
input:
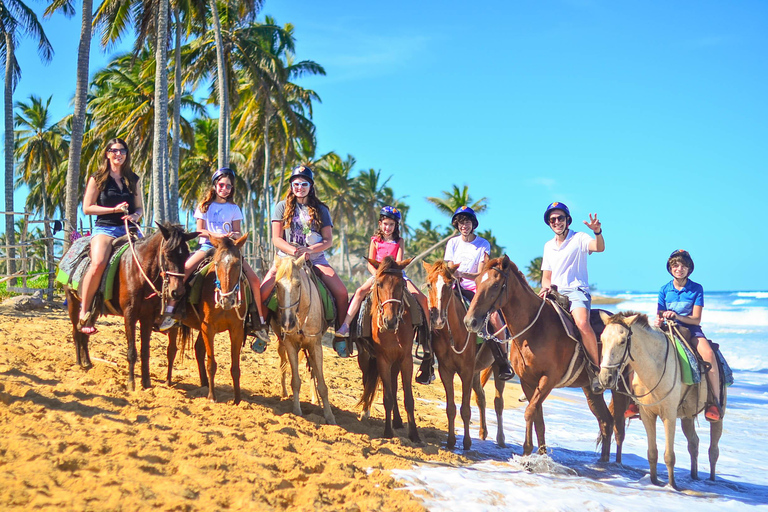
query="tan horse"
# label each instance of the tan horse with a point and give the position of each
(222, 308)
(457, 352)
(301, 324)
(541, 351)
(628, 340)
(389, 354)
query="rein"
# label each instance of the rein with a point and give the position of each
(452, 344)
(506, 325)
(163, 273)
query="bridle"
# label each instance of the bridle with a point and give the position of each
(219, 296)
(381, 304)
(451, 298)
(164, 274)
(299, 325)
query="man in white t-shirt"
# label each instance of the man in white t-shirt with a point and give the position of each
(471, 252)
(564, 265)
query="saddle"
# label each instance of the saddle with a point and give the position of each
(692, 364)
(329, 304)
(363, 321)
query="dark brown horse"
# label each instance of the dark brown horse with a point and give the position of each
(541, 352)
(222, 307)
(152, 268)
(390, 351)
(457, 352)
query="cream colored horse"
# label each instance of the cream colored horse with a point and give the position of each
(301, 324)
(658, 388)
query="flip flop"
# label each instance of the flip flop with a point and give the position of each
(83, 324)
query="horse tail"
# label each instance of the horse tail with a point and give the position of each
(184, 340)
(370, 384)
(485, 375)
(309, 363)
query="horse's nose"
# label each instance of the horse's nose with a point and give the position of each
(177, 294)
(471, 323)
(607, 378)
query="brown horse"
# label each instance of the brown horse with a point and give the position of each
(457, 352)
(541, 352)
(392, 341)
(156, 261)
(222, 308)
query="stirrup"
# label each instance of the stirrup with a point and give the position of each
(426, 373)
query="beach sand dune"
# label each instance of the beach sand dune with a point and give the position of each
(78, 440)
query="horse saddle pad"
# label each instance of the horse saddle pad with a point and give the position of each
(363, 320)
(329, 305)
(75, 263)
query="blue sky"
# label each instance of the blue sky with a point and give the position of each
(652, 114)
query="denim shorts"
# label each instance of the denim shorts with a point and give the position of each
(205, 247)
(696, 332)
(113, 231)
(579, 297)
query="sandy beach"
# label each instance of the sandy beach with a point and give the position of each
(78, 440)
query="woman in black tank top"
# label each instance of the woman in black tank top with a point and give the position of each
(112, 194)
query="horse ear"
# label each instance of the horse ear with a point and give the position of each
(505, 261)
(189, 236)
(427, 266)
(374, 263)
(452, 267)
(632, 319)
(214, 241)
(405, 263)
(240, 241)
(163, 230)
(604, 316)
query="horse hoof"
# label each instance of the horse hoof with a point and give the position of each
(467, 444)
(330, 421)
(131, 386)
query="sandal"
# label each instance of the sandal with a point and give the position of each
(713, 413)
(83, 327)
(632, 412)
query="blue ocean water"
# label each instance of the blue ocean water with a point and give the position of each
(570, 477)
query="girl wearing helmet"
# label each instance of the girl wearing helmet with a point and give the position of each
(385, 242)
(302, 225)
(217, 216)
(682, 300)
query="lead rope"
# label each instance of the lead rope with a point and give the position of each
(664, 371)
(136, 259)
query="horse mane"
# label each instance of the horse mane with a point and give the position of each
(225, 244)
(498, 262)
(621, 318)
(176, 238)
(440, 266)
(284, 268)
(386, 266)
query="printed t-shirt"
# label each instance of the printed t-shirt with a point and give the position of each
(468, 255)
(568, 262)
(302, 231)
(219, 218)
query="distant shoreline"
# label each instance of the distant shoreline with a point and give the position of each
(600, 299)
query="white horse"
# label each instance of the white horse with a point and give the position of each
(301, 324)
(658, 388)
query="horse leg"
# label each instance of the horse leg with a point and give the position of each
(530, 410)
(362, 361)
(397, 420)
(649, 422)
(145, 331)
(236, 338)
(498, 405)
(669, 450)
(82, 355)
(406, 370)
(715, 431)
(466, 407)
(293, 357)
(200, 359)
(446, 376)
(173, 336)
(480, 401)
(130, 336)
(689, 429)
(534, 413)
(604, 418)
(619, 403)
(210, 365)
(385, 374)
(316, 363)
(284, 366)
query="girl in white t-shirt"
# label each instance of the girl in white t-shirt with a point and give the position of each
(218, 217)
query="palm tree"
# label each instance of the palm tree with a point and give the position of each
(457, 197)
(337, 187)
(78, 120)
(40, 149)
(16, 18)
(496, 249)
(534, 271)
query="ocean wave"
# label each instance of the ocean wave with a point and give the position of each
(754, 295)
(740, 302)
(755, 316)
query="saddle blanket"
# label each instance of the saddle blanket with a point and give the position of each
(74, 264)
(329, 305)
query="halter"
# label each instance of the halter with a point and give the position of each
(163, 273)
(452, 343)
(625, 360)
(219, 295)
(299, 325)
(380, 307)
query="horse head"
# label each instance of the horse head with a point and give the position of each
(617, 345)
(289, 291)
(228, 268)
(440, 280)
(497, 282)
(174, 252)
(388, 291)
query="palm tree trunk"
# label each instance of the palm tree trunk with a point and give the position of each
(78, 122)
(10, 235)
(174, 183)
(223, 91)
(279, 193)
(160, 142)
(432, 248)
(266, 209)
